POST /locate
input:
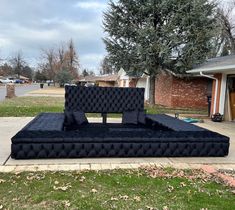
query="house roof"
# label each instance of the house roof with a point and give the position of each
(22, 77)
(108, 78)
(89, 78)
(105, 78)
(224, 64)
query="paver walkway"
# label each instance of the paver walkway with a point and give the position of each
(10, 125)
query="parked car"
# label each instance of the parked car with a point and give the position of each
(18, 81)
(7, 80)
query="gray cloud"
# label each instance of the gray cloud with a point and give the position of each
(33, 25)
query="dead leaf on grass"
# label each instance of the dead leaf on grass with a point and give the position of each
(114, 199)
(66, 203)
(182, 184)
(137, 198)
(150, 208)
(1, 206)
(170, 188)
(94, 190)
(2, 181)
(165, 208)
(82, 179)
(124, 197)
(56, 182)
(15, 199)
(63, 188)
(17, 173)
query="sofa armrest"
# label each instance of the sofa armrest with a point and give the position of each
(172, 123)
(46, 122)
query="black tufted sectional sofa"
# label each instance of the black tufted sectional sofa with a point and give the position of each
(161, 136)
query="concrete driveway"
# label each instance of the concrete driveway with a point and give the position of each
(10, 125)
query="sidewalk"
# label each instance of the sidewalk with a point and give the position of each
(10, 125)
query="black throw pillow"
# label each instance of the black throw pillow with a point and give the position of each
(141, 117)
(80, 117)
(69, 118)
(130, 117)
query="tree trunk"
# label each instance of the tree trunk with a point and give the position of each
(232, 44)
(152, 90)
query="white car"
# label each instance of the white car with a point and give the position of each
(7, 80)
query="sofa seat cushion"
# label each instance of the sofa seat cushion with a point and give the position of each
(96, 132)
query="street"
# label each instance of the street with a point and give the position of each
(19, 90)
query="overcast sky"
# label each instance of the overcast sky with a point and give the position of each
(32, 25)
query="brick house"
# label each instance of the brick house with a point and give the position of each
(221, 71)
(102, 80)
(186, 91)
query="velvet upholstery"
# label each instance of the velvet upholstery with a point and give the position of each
(130, 117)
(103, 99)
(56, 135)
(116, 140)
(80, 117)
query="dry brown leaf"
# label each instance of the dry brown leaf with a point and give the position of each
(150, 208)
(94, 190)
(63, 188)
(66, 203)
(2, 181)
(15, 199)
(114, 199)
(182, 184)
(82, 179)
(170, 188)
(124, 197)
(137, 198)
(165, 208)
(56, 182)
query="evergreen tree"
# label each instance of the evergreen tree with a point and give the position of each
(146, 36)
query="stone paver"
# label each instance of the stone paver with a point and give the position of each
(229, 180)
(10, 125)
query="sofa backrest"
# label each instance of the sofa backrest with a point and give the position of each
(103, 99)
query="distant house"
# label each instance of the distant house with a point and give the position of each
(110, 80)
(125, 80)
(221, 71)
(25, 79)
(102, 80)
(182, 90)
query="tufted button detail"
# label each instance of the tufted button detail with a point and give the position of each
(103, 99)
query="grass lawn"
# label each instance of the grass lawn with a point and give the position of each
(118, 189)
(31, 106)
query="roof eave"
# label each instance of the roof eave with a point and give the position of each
(211, 70)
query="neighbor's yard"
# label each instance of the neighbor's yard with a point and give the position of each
(31, 106)
(148, 189)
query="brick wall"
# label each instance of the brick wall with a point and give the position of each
(163, 89)
(176, 92)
